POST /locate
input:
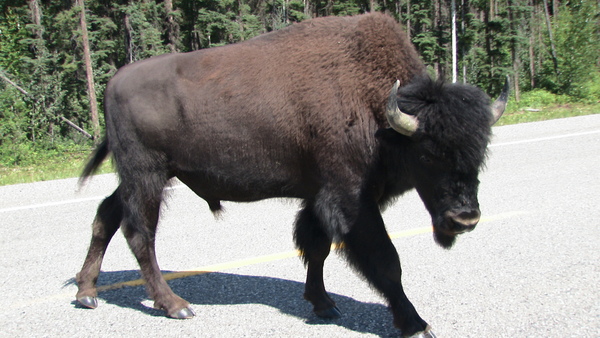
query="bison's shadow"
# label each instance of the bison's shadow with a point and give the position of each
(230, 289)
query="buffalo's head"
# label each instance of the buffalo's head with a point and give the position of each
(449, 127)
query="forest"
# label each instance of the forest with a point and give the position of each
(57, 56)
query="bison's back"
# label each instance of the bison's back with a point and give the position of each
(280, 110)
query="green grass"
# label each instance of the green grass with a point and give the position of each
(542, 113)
(67, 164)
(541, 105)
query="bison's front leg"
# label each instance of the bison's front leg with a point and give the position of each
(370, 250)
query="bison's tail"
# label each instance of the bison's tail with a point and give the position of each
(98, 156)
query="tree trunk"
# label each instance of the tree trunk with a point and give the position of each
(372, 5)
(454, 43)
(240, 19)
(89, 72)
(128, 39)
(436, 30)
(514, 48)
(408, 14)
(552, 46)
(516, 66)
(172, 26)
(531, 62)
(36, 18)
(38, 46)
(307, 9)
(532, 33)
(487, 17)
(329, 7)
(492, 10)
(464, 7)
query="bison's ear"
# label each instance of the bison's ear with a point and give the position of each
(499, 105)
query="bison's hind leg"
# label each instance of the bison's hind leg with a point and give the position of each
(141, 205)
(107, 221)
(315, 244)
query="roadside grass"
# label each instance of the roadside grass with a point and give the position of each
(70, 164)
(66, 165)
(522, 114)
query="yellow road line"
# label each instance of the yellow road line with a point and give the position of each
(279, 256)
(237, 264)
(208, 269)
(246, 262)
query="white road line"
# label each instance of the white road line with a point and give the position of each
(96, 198)
(72, 201)
(544, 139)
(52, 204)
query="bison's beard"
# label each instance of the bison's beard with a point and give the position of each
(444, 240)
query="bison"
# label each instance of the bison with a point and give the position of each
(304, 112)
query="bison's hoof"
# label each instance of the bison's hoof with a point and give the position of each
(88, 301)
(331, 313)
(424, 334)
(185, 313)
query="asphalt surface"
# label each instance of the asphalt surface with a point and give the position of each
(530, 269)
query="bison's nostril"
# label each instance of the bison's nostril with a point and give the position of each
(468, 218)
(464, 220)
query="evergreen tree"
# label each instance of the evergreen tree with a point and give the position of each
(43, 91)
(577, 31)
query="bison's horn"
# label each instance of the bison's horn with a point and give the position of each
(401, 122)
(500, 104)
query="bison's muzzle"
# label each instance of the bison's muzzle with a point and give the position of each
(462, 220)
(453, 223)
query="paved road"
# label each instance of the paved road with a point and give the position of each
(531, 268)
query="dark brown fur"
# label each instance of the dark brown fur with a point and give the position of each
(294, 113)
